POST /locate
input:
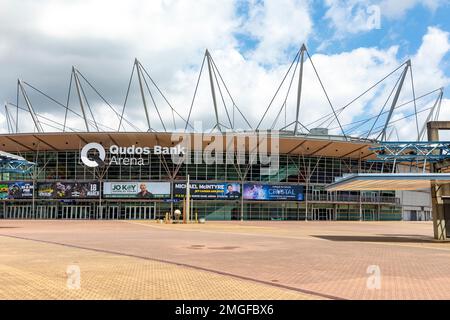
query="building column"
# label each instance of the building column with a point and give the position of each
(437, 203)
(437, 191)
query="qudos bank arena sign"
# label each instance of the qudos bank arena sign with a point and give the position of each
(131, 155)
(229, 148)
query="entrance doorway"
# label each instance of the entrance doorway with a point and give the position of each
(19, 212)
(323, 214)
(107, 212)
(45, 212)
(139, 212)
(370, 215)
(76, 212)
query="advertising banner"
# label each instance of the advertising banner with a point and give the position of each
(68, 190)
(210, 191)
(16, 190)
(136, 189)
(20, 190)
(4, 191)
(273, 192)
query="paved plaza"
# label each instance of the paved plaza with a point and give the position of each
(221, 260)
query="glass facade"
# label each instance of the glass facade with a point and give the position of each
(313, 173)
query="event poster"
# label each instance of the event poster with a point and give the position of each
(210, 191)
(68, 190)
(273, 192)
(140, 190)
(16, 190)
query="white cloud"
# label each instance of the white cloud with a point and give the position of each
(397, 9)
(356, 16)
(277, 25)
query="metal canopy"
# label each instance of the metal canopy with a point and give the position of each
(10, 163)
(388, 181)
(326, 146)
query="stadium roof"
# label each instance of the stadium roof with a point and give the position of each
(388, 181)
(326, 146)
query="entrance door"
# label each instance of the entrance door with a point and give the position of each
(315, 214)
(330, 214)
(50, 212)
(112, 212)
(369, 214)
(138, 212)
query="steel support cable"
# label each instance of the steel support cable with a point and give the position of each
(229, 94)
(89, 122)
(397, 120)
(367, 90)
(284, 104)
(43, 117)
(89, 106)
(221, 97)
(8, 119)
(385, 104)
(104, 100)
(414, 98)
(195, 92)
(330, 115)
(373, 117)
(68, 100)
(58, 103)
(126, 97)
(161, 93)
(278, 89)
(17, 110)
(154, 103)
(396, 107)
(13, 123)
(439, 105)
(378, 115)
(326, 94)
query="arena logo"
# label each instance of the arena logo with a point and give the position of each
(130, 155)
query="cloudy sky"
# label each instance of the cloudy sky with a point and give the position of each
(353, 44)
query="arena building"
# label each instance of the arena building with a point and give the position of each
(56, 177)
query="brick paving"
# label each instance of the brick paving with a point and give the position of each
(222, 260)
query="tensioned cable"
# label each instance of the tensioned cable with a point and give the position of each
(362, 94)
(385, 103)
(414, 98)
(161, 93)
(68, 100)
(397, 120)
(89, 106)
(326, 94)
(222, 98)
(229, 94)
(364, 121)
(17, 111)
(126, 97)
(43, 117)
(104, 100)
(396, 107)
(59, 103)
(284, 104)
(195, 91)
(278, 89)
(154, 103)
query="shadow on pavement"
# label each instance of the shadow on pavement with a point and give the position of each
(380, 238)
